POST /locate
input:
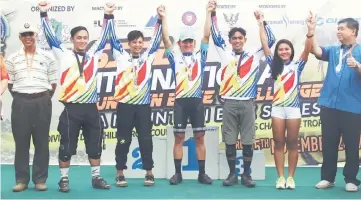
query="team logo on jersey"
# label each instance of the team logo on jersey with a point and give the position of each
(189, 18)
(231, 19)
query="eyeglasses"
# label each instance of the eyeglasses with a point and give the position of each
(31, 34)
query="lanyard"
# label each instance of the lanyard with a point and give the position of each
(239, 62)
(342, 56)
(135, 67)
(348, 52)
(80, 65)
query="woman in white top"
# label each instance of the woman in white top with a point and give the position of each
(286, 114)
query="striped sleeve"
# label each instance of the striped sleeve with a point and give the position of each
(170, 55)
(269, 59)
(204, 51)
(114, 41)
(300, 65)
(218, 40)
(53, 42)
(98, 47)
(271, 39)
(154, 43)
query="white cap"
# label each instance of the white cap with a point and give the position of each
(27, 27)
(186, 35)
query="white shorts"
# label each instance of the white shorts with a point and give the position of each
(286, 112)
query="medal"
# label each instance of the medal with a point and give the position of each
(189, 67)
(339, 66)
(29, 66)
(135, 66)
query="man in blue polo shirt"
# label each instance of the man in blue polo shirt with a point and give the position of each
(340, 102)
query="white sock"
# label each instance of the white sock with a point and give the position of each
(64, 172)
(95, 171)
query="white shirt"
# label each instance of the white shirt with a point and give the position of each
(38, 77)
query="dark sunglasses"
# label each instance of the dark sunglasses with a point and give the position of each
(31, 34)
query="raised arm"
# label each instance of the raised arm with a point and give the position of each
(218, 40)
(99, 45)
(154, 43)
(54, 43)
(115, 42)
(315, 48)
(265, 41)
(207, 26)
(309, 37)
(165, 34)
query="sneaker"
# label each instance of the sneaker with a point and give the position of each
(324, 184)
(290, 184)
(149, 180)
(20, 187)
(231, 180)
(350, 187)
(99, 183)
(247, 181)
(176, 178)
(204, 179)
(64, 184)
(281, 183)
(120, 181)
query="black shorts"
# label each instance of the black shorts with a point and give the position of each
(131, 116)
(191, 109)
(76, 117)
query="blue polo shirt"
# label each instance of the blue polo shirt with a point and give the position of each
(341, 89)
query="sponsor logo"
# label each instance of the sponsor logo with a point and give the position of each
(151, 22)
(264, 6)
(225, 6)
(286, 21)
(55, 9)
(331, 20)
(117, 23)
(189, 18)
(100, 8)
(231, 19)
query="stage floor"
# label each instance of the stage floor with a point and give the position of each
(80, 185)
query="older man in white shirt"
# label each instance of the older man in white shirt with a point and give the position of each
(32, 82)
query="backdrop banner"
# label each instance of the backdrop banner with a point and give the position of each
(286, 18)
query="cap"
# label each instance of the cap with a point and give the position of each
(27, 27)
(185, 35)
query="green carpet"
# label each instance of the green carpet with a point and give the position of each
(81, 188)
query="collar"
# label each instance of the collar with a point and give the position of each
(287, 63)
(238, 53)
(79, 53)
(135, 57)
(22, 51)
(187, 54)
(347, 46)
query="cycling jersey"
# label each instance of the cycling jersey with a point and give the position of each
(188, 70)
(286, 88)
(76, 86)
(134, 75)
(238, 80)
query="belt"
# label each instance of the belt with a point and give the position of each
(34, 95)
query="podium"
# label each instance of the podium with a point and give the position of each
(190, 161)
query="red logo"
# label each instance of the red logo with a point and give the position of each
(189, 18)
